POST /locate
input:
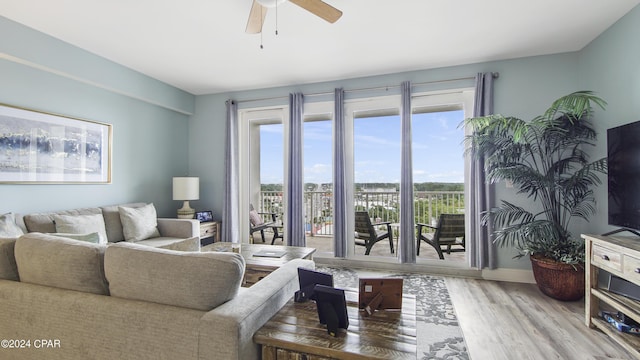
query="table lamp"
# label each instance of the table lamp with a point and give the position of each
(185, 189)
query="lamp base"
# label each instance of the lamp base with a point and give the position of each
(186, 212)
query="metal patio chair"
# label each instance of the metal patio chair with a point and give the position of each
(367, 234)
(257, 223)
(448, 232)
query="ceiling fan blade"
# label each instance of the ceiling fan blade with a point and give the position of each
(256, 18)
(320, 8)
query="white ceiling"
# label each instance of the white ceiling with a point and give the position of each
(200, 45)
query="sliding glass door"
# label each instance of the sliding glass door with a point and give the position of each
(373, 146)
(376, 180)
(440, 168)
(318, 183)
(262, 169)
(373, 166)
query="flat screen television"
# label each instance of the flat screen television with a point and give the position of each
(623, 162)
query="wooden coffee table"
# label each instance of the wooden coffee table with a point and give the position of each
(295, 332)
(259, 267)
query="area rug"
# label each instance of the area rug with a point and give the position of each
(438, 334)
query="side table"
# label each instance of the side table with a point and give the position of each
(209, 232)
(259, 267)
(295, 333)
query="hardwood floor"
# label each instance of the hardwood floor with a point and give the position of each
(507, 321)
(502, 320)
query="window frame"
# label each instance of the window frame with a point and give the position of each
(249, 120)
(387, 104)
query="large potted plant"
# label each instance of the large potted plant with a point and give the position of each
(546, 161)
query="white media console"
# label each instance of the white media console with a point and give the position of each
(619, 256)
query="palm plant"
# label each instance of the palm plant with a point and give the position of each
(545, 159)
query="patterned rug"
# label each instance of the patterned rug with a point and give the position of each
(439, 335)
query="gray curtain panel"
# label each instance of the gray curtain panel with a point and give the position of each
(294, 221)
(482, 251)
(339, 178)
(407, 245)
(230, 213)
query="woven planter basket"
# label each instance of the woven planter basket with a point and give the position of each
(558, 280)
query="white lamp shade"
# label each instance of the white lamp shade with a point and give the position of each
(186, 188)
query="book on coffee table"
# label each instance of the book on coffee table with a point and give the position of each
(270, 253)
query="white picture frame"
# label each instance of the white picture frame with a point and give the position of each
(43, 148)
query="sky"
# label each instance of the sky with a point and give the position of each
(437, 150)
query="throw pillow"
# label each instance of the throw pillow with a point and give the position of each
(81, 224)
(112, 221)
(139, 223)
(91, 237)
(255, 218)
(43, 222)
(8, 227)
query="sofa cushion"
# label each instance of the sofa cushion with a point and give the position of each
(43, 222)
(171, 243)
(195, 280)
(81, 224)
(139, 223)
(8, 268)
(48, 260)
(90, 237)
(112, 221)
(8, 227)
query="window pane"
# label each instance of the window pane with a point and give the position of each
(438, 171)
(377, 175)
(318, 189)
(271, 154)
(377, 151)
(268, 187)
(438, 147)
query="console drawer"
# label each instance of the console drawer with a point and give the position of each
(207, 230)
(606, 258)
(631, 269)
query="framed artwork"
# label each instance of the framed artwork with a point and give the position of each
(43, 148)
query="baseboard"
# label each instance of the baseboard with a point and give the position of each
(511, 275)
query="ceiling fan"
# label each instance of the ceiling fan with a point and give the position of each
(316, 7)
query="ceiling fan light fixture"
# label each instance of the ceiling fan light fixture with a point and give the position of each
(270, 3)
(259, 12)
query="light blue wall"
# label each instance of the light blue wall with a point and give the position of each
(610, 66)
(150, 120)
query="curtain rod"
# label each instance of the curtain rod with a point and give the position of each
(495, 76)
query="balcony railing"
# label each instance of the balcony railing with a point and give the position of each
(382, 206)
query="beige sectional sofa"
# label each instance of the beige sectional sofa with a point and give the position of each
(176, 234)
(68, 299)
